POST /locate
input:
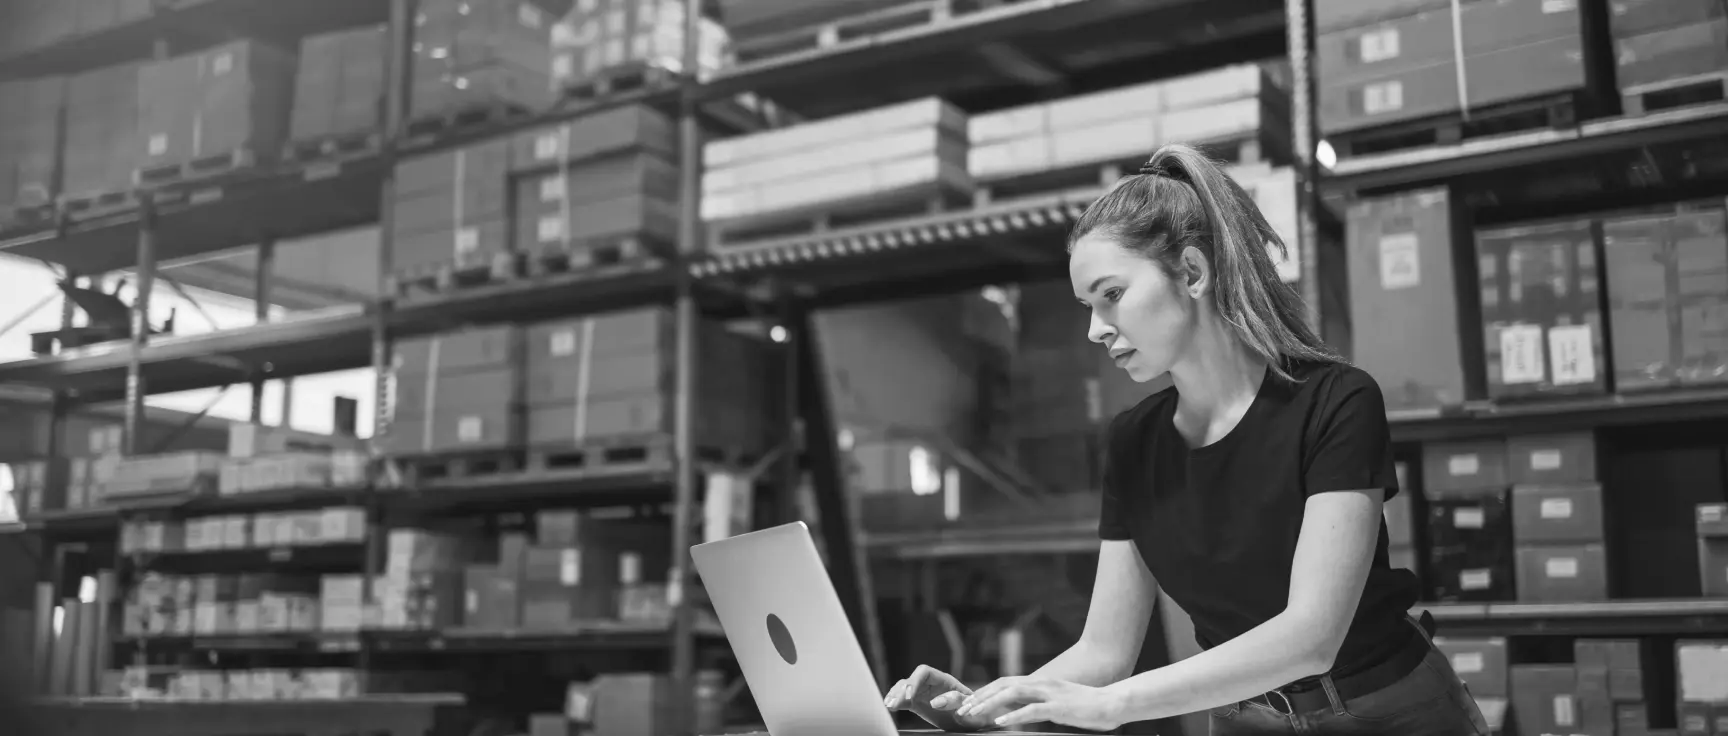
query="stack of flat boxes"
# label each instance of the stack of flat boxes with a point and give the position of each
(458, 392)
(594, 181)
(29, 141)
(899, 152)
(1483, 664)
(596, 37)
(1611, 686)
(610, 377)
(1469, 521)
(578, 567)
(469, 54)
(1703, 699)
(1667, 41)
(422, 582)
(1405, 312)
(1387, 62)
(1558, 518)
(1667, 278)
(339, 88)
(235, 97)
(451, 208)
(102, 124)
(1542, 310)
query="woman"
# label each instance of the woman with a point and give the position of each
(1251, 491)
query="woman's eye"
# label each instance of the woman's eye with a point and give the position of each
(1113, 294)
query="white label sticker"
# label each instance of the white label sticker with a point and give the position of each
(1549, 459)
(1521, 354)
(1468, 518)
(1574, 358)
(629, 568)
(1379, 45)
(1400, 266)
(563, 65)
(1556, 508)
(570, 567)
(1549, 7)
(468, 429)
(563, 343)
(551, 228)
(223, 64)
(1462, 465)
(1465, 663)
(158, 144)
(546, 146)
(1561, 567)
(552, 189)
(1476, 579)
(473, 602)
(1565, 712)
(467, 240)
(1382, 97)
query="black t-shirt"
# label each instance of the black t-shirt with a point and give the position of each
(1217, 526)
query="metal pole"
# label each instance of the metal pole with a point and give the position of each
(135, 388)
(791, 474)
(1303, 123)
(261, 312)
(684, 409)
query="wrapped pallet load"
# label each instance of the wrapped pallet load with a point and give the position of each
(339, 90)
(598, 187)
(471, 55)
(221, 108)
(457, 392)
(450, 208)
(630, 36)
(29, 139)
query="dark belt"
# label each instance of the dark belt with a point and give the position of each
(1391, 669)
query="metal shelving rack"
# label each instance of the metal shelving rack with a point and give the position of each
(1009, 53)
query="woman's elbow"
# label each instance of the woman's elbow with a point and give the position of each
(1321, 648)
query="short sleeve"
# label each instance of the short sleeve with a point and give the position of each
(1117, 468)
(1352, 449)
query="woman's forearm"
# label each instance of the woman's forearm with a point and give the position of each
(1268, 656)
(1086, 663)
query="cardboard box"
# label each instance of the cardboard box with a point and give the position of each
(598, 37)
(1481, 663)
(1542, 310)
(102, 127)
(451, 205)
(233, 97)
(474, 55)
(1671, 54)
(1561, 458)
(1404, 291)
(627, 129)
(492, 599)
(1464, 467)
(339, 86)
(1634, 17)
(1470, 548)
(29, 140)
(1663, 283)
(1548, 514)
(1543, 698)
(1712, 529)
(1562, 573)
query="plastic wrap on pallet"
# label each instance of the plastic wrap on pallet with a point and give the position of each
(339, 87)
(1667, 286)
(450, 205)
(910, 145)
(29, 140)
(596, 37)
(469, 55)
(1443, 58)
(102, 122)
(232, 99)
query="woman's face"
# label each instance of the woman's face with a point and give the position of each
(1142, 316)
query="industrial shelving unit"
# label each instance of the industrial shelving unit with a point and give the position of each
(1006, 54)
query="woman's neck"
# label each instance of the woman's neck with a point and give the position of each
(1219, 376)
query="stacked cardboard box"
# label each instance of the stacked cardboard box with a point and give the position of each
(99, 15)
(234, 98)
(422, 581)
(339, 88)
(1542, 310)
(611, 376)
(577, 568)
(1557, 518)
(1610, 686)
(1667, 41)
(472, 54)
(1470, 554)
(1483, 665)
(1667, 273)
(905, 152)
(102, 124)
(1701, 689)
(596, 37)
(1545, 699)
(29, 140)
(593, 181)
(1389, 62)
(26, 25)
(458, 391)
(450, 207)
(1405, 310)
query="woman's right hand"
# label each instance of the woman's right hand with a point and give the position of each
(934, 695)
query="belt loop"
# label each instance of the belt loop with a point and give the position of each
(1332, 694)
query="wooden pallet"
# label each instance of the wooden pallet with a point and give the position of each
(924, 199)
(603, 454)
(198, 169)
(1668, 94)
(432, 125)
(842, 30)
(1550, 111)
(618, 80)
(413, 469)
(1239, 151)
(583, 254)
(332, 146)
(477, 269)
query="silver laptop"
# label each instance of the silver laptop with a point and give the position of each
(790, 635)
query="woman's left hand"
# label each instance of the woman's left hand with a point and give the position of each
(1037, 700)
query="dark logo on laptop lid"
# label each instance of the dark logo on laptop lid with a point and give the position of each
(782, 638)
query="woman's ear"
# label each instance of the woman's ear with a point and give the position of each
(1197, 272)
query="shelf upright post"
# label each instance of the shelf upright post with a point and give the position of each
(261, 312)
(135, 388)
(684, 402)
(791, 470)
(1299, 27)
(59, 402)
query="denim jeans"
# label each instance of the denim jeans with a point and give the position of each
(1430, 701)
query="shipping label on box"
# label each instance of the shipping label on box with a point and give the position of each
(1557, 513)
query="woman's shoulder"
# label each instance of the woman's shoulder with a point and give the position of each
(1333, 378)
(1143, 415)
